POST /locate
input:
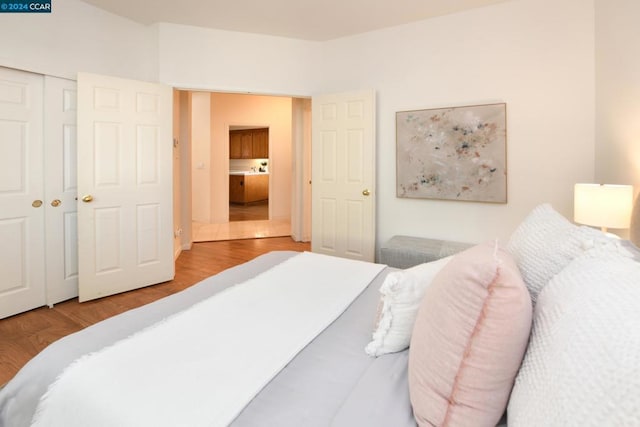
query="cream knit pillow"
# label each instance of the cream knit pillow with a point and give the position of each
(582, 364)
(546, 242)
(402, 292)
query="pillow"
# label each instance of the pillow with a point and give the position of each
(468, 340)
(545, 242)
(401, 292)
(581, 367)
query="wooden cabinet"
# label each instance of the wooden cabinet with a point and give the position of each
(249, 144)
(236, 188)
(256, 188)
(235, 145)
(246, 145)
(248, 188)
(260, 144)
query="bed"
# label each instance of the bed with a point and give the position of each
(546, 366)
(300, 394)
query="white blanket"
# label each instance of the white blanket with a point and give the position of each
(201, 367)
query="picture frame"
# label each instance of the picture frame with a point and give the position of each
(453, 153)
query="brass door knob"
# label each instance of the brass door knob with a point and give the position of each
(365, 192)
(55, 203)
(36, 203)
(88, 198)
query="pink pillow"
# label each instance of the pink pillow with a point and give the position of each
(468, 340)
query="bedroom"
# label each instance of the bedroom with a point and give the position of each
(568, 119)
(563, 71)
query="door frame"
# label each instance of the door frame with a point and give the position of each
(300, 178)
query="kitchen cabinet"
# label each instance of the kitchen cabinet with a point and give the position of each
(235, 145)
(236, 188)
(260, 144)
(249, 144)
(248, 188)
(241, 144)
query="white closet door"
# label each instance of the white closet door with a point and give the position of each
(22, 265)
(343, 183)
(60, 153)
(125, 174)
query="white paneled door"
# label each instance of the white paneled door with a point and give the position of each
(124, 185)
(60, 170)
(22, 268)
(343, 175)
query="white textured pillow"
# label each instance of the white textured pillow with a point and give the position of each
(545, 242)
(402, 292)
(582, 364)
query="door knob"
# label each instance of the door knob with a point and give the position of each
(36, 203)
(88, 198)
(365, 192)
(55, 203)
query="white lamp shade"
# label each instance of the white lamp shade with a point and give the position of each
(606, 206)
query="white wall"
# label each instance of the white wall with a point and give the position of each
(618, 92)
(186, 211)
(177, 174)
(535, 55)
(199, 58)
(78, 37)
(201, 168)
(301, 170)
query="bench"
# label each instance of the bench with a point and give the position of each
(406, 251)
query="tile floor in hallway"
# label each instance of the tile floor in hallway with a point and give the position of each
(203, 232)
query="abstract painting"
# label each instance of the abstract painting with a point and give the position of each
(456, 153)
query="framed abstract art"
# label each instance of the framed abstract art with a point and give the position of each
(456, 153)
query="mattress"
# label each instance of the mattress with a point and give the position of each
(330, 382)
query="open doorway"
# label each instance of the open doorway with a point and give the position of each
(213, 118)
(248, 173)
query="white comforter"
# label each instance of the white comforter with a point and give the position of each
(203, 365)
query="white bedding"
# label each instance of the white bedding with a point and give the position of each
(240, 344)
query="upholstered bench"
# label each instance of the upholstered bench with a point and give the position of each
(406, 251)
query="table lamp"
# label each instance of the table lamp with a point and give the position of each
(603, 205)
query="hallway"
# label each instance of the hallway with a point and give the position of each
(245, 222)
(240, 230)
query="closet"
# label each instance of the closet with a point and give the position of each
(89, 228)
(38, 220)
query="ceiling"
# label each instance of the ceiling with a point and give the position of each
(300, 19)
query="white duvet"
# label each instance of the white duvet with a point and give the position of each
(203, 365)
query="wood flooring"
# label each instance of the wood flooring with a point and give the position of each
(251, 212)
(24, 335)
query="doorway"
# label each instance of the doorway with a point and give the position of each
(248, 173)
(213, 117)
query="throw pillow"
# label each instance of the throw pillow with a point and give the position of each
(468, 340)
(402, 292)
(581, 367)
(545, 242)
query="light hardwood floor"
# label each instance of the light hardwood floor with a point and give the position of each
(253, 212)
(240, 230)
(245, 222)
(24, 335)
